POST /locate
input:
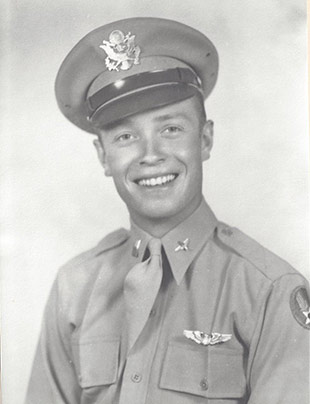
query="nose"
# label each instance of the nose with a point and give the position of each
(152, 152)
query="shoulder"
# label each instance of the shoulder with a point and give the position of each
(87, 263)
(77, 278)
(110, 241)
(268, 264)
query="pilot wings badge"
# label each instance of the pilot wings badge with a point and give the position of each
(206, 339)
(121, 51)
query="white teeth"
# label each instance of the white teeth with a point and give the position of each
(152, 182)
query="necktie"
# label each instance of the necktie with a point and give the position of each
(140, 290)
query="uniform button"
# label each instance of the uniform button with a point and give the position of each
(152, 313)
(204, 384)
(227, 231)
(136, 377)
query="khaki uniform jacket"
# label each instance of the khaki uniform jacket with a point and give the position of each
(216, 280)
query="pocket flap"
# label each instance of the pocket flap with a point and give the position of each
(98, 361)
(209, 372)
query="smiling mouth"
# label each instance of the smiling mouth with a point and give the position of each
(156, 181)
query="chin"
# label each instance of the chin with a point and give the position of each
(160, 210)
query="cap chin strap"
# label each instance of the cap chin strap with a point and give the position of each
(139, 82)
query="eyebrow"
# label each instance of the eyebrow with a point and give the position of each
(115, 124)
(166, 117)
(130, 120)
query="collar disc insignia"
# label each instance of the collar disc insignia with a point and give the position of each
(300, 306)
(136, 248)
(121, 51)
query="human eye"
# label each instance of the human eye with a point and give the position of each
(124, 137)
(172, 130)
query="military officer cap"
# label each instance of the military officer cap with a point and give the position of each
(131, 66)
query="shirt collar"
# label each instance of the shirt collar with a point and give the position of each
(182, 243)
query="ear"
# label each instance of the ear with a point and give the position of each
(206, 140)
(102, 156)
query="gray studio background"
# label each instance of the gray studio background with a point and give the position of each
(55, 200)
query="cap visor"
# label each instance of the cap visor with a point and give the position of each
(141, 101)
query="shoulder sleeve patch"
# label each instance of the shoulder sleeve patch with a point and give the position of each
(300, 306)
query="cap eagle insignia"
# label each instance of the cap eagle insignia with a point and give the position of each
(121, 51)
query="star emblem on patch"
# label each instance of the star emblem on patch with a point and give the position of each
(182, 245)
(300, 306)
(307, 315)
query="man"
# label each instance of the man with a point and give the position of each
(182, 308)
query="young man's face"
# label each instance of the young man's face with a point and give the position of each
(155, 159)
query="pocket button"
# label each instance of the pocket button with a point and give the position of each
(136, 377)
(204, 384)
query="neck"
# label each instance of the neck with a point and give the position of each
(158, 227)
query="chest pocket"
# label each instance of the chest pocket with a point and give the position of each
(210, 372)
(96, 361)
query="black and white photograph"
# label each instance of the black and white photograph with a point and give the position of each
(154, 202)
